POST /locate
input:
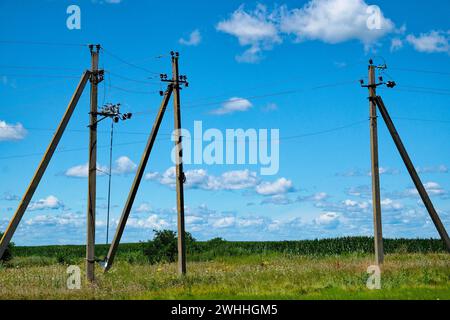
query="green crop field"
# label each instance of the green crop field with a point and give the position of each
(320, 269)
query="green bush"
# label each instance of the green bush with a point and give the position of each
(8, 253)
(164, 246)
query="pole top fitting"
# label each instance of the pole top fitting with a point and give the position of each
(174, 54)
(96, 46)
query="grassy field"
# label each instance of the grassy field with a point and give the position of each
(239, 274)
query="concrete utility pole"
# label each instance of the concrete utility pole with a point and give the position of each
(92, 182)
(42, 166)
(173, 87)
(180, 179)
(376, 200)
(413, 173)
(137, 180)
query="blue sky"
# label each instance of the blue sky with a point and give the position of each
(294, 66)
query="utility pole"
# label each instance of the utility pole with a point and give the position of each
(43, 165)
(92, 182)
(172, 88)
(180, 179)
(413, 173)
(376, 200)
(137, 180)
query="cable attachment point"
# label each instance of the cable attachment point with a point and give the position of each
(97, 76)
(182, 178)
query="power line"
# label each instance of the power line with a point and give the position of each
(169, 138)
(131, 90)
(128, 63)
(421, 71)
(131, 79)
(36, 67)
(423, 120)
(280, 93)
(39, 76)
(41, 43)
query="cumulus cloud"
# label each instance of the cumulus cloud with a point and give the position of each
(319, 196)
(279, 186)
(194, 39)
(123, 165)
(329, 21)
(335, 21)
(362, 173)
(10, 197)
(278, 199)
(433, 169)
(233, 105)
(396, 44)
(51, 202)
(254, 29)
(431, 42)
(11, 132)
(200, 179)
(432, 188)
(329, 220)
(153, 222)
(65, 219)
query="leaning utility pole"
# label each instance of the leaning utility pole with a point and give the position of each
(377, 101)
(413, 173)
(172, 87)
(180, 178)
(42, 165)
(90, 237)
(376, 200)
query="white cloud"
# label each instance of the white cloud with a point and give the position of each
(194, 39)
(389, 204)
(224, 222)
(329, 21)
(152, 222)
(431, 42)
(278, 199)
(144, 208)
(396, 44)
(434, 169)
(351, 204)
(81, 171)
(200, 179)
(124, 166)
(51, 202)
(65, 219)
(279, 186)
(432, 188)
(10, 132)
(255, 29)
(327, 220)
(334, 21)
(234, 104)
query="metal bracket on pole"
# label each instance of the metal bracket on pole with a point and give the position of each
(43, 165)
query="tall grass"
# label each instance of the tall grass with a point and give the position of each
(209, 250)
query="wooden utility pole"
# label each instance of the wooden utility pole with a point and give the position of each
(137, 180)
(173, 87)
(42, 166)
(376, 200)
(92, 182)
(413, 173)
(180, 178)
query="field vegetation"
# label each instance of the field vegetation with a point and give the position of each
(219, 269)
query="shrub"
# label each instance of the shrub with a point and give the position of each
(164, 246)
(8, 253)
